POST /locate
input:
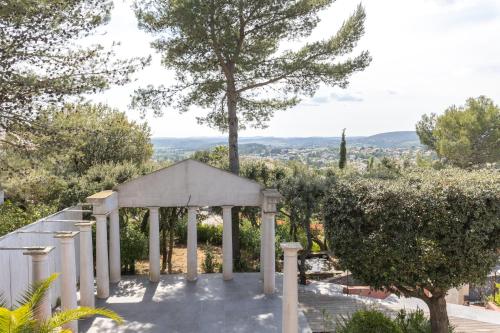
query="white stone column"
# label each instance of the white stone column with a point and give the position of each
(68, 275)
(192, 255)
(269, 253)
(290, 321)
(271, 197)
(154, 244)
(40, 271)
(262, 245)
(87, 297)
(102, 266)
(114, 247)
(227, 244)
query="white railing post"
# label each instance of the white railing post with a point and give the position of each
(290, 317)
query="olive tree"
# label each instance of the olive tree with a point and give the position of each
(418, 235)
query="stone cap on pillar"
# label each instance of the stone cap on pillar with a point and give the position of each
(38, 250)
(292, 247)
(66, 234)
(85, 224)
(271, 198)
(103, 202)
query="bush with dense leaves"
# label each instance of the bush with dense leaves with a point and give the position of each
(364, 321)
(423, 231)
(375, 321)
(13, 217)
(133, 243)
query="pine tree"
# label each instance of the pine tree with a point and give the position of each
(343, 152)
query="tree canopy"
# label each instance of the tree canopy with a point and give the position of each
(467, 135)
(83, 140)
(420, 234)
(227, 58)
(43, 59)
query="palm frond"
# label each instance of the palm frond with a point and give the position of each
(3, 300)
(5, 320)
(36, 292)
(64, 317)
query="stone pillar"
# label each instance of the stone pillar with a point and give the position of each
(262, 245)
(114, 247)
(68, 275)
(86, 265)
(227, 244)
(192, 256)
(154, 244)
(102, 266)
(271, 198)
(290, 319)
(269, 253)
(40, 271)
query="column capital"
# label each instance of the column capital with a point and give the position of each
(191, 208)
(38, 251)
(154, 208)
(85, 226)
(271, 198)
(227, 207)
(291, 249)
(64, 235)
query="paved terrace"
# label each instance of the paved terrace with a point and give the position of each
(321, 300)
(207, 305)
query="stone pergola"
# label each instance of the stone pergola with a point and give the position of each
(190, 184)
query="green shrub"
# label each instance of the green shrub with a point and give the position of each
(496, 297)
(13, 217)
(211, 234)
(375, 321)
(250, 239)
(134, 245)
(428, 230)
(413, 322)
(367, 321)
(209, 264)
(181, 231)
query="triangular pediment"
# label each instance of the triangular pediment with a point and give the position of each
(189, 183)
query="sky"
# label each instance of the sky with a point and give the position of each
(427, 56)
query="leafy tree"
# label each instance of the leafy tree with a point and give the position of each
(22, 319)
(226, 57)
(303, 191)
(42, 60)
(425, 128)
(14, 216)
(465, 136)
(83, 135)
(343, 152)
(418, 235)
(94, 148)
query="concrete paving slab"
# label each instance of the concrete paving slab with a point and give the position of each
(208, 305)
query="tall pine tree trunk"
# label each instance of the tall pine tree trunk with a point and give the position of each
(438, 314)
(234, 163)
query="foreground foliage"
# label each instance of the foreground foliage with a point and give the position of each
(374, 321)
(22, 318)
(419, 234)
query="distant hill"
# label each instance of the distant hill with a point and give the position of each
(401, 139)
